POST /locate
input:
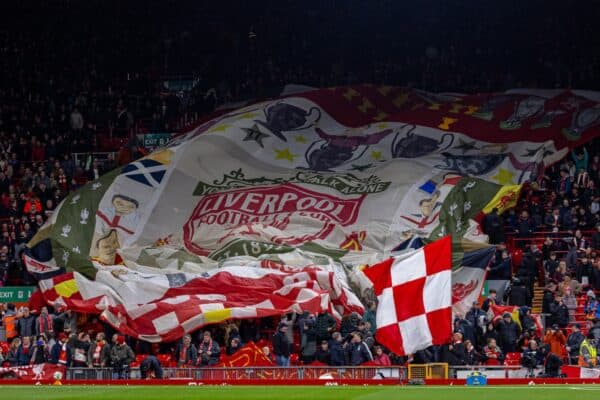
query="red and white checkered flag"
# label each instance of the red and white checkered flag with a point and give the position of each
(415, 298)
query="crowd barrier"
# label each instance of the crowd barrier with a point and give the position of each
(251, 373)
(310, 373)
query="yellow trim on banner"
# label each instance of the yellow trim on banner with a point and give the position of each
(217, 315)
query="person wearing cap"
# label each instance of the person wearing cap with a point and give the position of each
(555, 338)
(121, 357)
(281, 346)
(574, 343)
(61, 352)
(588, 357)
(509, 333)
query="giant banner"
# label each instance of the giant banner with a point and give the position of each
(325, 177)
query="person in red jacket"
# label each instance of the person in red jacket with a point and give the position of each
(381, 358)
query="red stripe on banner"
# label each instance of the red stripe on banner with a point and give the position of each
(440, 325)
(390, 337)
(380, 275)
(438, 255)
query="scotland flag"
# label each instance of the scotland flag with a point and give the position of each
(148, 172)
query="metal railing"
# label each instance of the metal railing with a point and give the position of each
(258, 373)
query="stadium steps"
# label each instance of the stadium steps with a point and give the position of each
(538, 295)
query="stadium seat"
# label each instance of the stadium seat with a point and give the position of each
(512, 359)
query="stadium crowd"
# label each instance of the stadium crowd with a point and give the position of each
(63, 100)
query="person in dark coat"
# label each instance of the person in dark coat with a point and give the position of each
(324, 326)
(455, 352)
(209, 350)
(509, 333)
(61, 352)
(472, 356)
(518, 294)
(573, 343)
(559, 312)
(583, 269)
(281, 346)
(26, 324)
(336, 349)
(550, 266)
(493, 227)
(323, 354)
(527, 321)
(186, 353)
(357, 352)
(151, 367)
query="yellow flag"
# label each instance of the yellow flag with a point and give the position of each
(503, 200)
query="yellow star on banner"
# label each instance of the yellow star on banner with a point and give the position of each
(218, 128)
(300, 139)
(284, 154)
(504, 177)
(376, 155)
(382, 125)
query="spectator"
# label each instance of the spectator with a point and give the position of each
(559, 312)
(121, 356)
(26, 324)
(40, 353)
(381, 358)
(337, 349)
(455, 352)
(571, 302)
(323, 354)
(357, 352)
(550, 266)
(370, 315)
(492, 353)
(99, 352)
(289, 319)
(150, 368)
(281, 346)
(81, 347)
(556, 339)
(60, 353)
(234, 345)
(24, 351)
(587, 352)
(186, 353)
(494, 227)
(308, 339)
(533, 357)
(9, 321)
(325, 325)
(490, 301)
(509, 333)
(13, 352)
(574, 343)
(472, 356)
(208, 351)
(45, 323)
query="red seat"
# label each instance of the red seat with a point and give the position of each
(164, 358)
(512, 359)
